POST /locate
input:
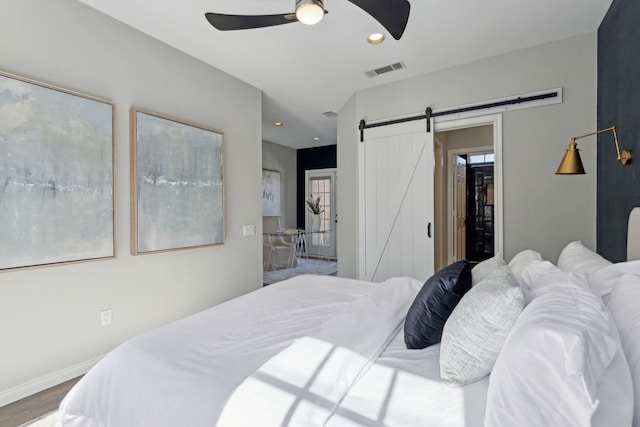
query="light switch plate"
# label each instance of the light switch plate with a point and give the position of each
(248, 230)
(105, 317)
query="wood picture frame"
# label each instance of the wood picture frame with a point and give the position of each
(177, 184)
(57, 168)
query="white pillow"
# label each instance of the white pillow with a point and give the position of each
(623, 304)
(554, 356)
(522, 259)
(477, 328)
(614, 390)
(528, 267)
(603, 280)
(578, 258)
(483, 269)
(535, 271)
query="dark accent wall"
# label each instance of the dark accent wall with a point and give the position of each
(619, 105)
(307, 159)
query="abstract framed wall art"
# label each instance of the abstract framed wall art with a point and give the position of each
(270, 193)
(56, 175)
(176, 184)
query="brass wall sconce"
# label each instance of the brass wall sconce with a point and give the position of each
(572, 164)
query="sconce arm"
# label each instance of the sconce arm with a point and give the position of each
(624, 157)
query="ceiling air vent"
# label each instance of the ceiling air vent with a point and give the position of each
(330, 114)
(386, 69)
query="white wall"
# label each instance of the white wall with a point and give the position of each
(542, 211)
(283, 159)
(49, 317)
(347, 161)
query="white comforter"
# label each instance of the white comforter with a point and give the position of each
(403, 389)
(235, 362)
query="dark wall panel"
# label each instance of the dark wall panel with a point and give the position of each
(307, 159)
(619, 105)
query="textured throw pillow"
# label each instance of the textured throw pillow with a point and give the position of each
(578, 258)
(434, 303)
(483, 269)
(551, 362)
(476, 330)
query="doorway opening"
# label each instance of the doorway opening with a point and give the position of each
(466, 194)
(479, 208)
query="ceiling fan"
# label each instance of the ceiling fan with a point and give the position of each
(392, 14)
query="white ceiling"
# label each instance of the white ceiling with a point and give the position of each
(304, 71)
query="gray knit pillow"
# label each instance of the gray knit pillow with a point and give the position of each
(477, 328)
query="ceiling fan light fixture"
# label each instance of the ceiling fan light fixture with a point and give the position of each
(375, 38)
(309, 12)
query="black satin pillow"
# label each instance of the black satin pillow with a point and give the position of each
(434, 303)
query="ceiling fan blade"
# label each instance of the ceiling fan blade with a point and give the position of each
(243, 22)
(392, 14)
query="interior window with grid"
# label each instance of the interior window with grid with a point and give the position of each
(321, 187)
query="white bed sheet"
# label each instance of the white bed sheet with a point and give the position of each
(403, 388)
(183, 373)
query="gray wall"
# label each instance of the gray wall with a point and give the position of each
(479, 136)
(542, 211)
(283, 159)
(49, 317)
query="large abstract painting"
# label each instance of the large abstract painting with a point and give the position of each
(270, 193)
(56, 175)
(177, 185)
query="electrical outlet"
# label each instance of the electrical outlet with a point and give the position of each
(105, 317)
(249, 230)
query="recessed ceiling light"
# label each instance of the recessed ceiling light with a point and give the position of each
(316, 139)
(375, 38)
(277, 124)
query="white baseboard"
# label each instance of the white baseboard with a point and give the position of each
(40, 384)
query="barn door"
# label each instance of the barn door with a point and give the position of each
(396, 203)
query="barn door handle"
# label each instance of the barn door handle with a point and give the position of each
(429, 230)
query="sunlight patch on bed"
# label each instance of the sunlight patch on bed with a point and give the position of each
(303, 383)
(297, 364)
(368, 397)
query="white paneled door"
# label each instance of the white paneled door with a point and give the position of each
(322, 183)
(396, 202)
(460, 208)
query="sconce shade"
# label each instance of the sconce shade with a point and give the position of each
(571, 163)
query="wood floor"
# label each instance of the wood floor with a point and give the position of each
(34, 406)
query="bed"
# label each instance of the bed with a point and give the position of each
(528, 342)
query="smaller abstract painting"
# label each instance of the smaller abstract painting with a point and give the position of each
(270, 193)
(177, 184)
(56, 175)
